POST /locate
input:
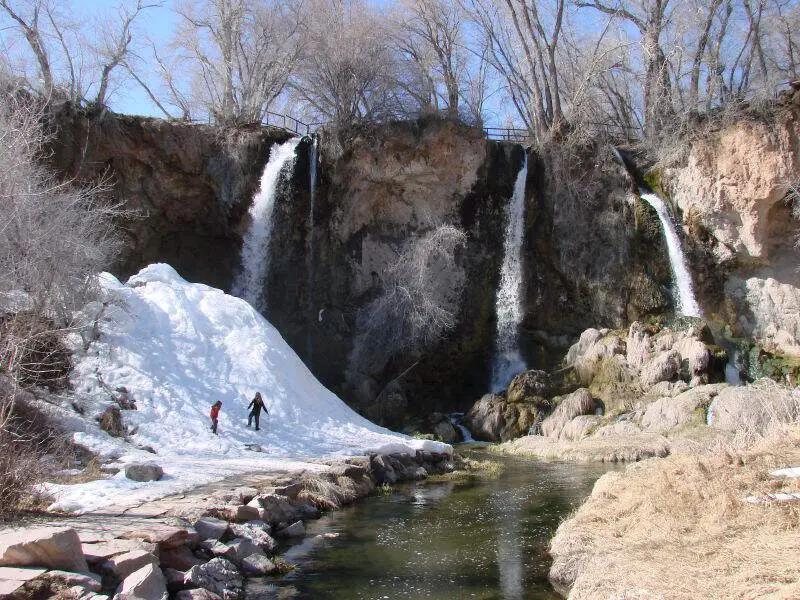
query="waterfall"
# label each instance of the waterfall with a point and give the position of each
(249, 282)
(312, 192)
(508, 306)
(455, 419)
(687, 303)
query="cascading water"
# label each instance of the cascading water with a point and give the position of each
(455, 420)
(508, 305)
(687, 303)
(312, 192)
(249, 283)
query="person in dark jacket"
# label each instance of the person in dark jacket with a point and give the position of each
(215, 416)
(255, 413)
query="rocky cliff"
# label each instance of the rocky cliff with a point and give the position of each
(733, 189)
(188, 185)
(593, 253)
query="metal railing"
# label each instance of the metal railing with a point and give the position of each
(289, 123)
(506, 134)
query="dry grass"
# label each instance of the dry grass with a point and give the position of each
(679, 528)
(328, 492)
(612, 448)
(469, 468)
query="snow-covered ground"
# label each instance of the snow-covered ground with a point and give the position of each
(178, 347)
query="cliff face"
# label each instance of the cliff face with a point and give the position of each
(733, 191)
(593, 254)
(188, 185)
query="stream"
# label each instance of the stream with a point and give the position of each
(485, 539)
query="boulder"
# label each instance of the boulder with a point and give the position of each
(176, 580)
(579, 427)
(258, 564)
(664, 367)
(527, 385)
(217, 548)
(123, 565)
(242, 548)
(148, 583)
(98, 552)
(180, 559)
(445, 431)
(53, 548)
(576, 404)
(754, 409)
(296, 529)
(382, 469)
(276, 509)
(210, 528)
(494, 419)
(684, 409)
(218, 575)
(257, 532)
(246, 513)
(290, 490)
(144, 472)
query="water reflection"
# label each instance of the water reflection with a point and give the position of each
(485, 540)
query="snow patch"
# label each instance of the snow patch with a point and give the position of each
(178, 347)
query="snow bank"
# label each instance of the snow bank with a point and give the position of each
(178, 347)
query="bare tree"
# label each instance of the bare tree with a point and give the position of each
(30, 25)
(523, 39)
(116, 45)
(68, 66)
(348, 73)
(421, 295)
(239, 55)
(430, 35)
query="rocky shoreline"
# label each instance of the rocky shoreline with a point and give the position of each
(200, 545)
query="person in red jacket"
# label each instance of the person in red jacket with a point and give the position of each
(215, 415)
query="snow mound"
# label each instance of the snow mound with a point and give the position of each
(178, 347)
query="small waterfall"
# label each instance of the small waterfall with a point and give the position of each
(507, 360)
(687, 303)
(249, 283)
(466, 434)
(311, 264)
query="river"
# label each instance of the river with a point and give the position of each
(483, 539)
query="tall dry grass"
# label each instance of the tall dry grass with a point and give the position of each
(680, 528)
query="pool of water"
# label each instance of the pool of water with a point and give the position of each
(483, 539)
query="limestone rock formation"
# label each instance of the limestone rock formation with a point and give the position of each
(495, 419)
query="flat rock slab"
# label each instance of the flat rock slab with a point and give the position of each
(13, 578)
(54, 548)
(164, 537)
(102, 551)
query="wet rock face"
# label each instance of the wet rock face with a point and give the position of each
(732, 191)
(188, 185)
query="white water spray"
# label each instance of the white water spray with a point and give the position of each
(687, 303)
(312, 193)
(508, 306)
(249, 283)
